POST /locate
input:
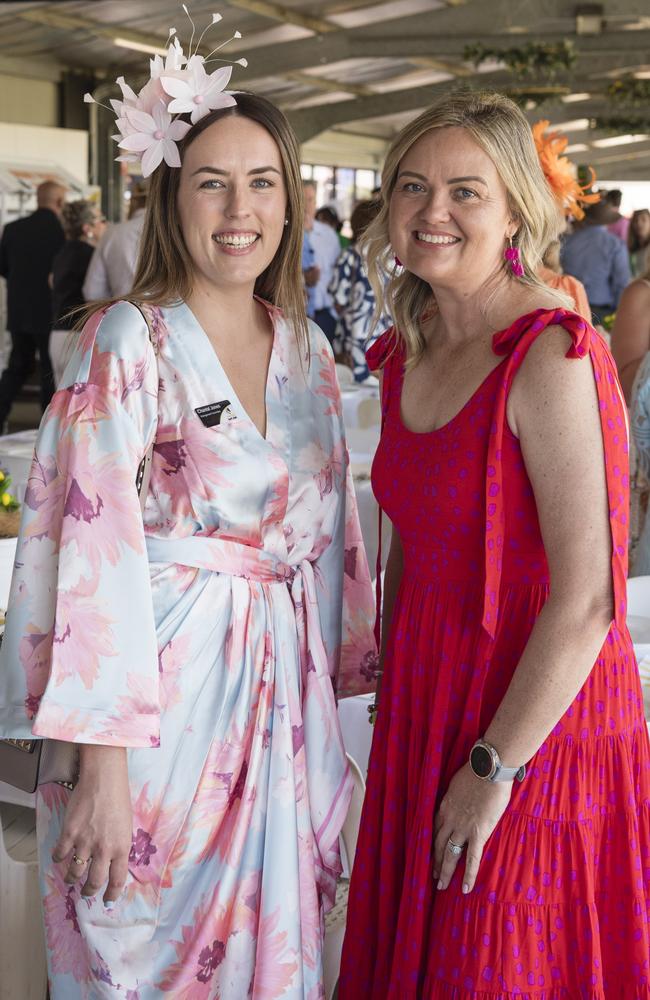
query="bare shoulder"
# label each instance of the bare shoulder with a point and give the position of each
(636, 295)
(550, 347)
(551, 384)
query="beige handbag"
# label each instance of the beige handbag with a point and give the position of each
(25, 764)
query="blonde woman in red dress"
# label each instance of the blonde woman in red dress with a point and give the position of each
(505, 844)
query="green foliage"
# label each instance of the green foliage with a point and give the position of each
(545, 59)
(629, 91)
(623, 124)
(7, 500)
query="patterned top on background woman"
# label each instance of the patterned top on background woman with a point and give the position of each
(354, 302)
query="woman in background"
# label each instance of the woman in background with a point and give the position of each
(354, 299)
(631, 350)
(84, 225)
(638, 241)
(570, 197)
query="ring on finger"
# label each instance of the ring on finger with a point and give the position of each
(455, 849)
(79, 861)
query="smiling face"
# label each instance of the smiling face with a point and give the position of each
(449, 218)
(232, 202)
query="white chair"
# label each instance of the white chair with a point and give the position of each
(369, 412)
(23, 968)
(344, 376)
(638, 608)
(335, 919)
(638, 596)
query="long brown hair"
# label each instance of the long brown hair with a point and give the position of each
(164, 269)
(633, 239)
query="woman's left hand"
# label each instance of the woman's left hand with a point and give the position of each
(467, 815)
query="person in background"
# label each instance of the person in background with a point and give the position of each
(84, 226)
(330, 217)
(638, 241)
(551, 273)
(630, 344)
(570, 197)
(631, 332)
(354, 300)
(621, 226)
(27, 249)
(598, 259)
(640, 463)
(310, 273)
(112, 267)
(326, 247)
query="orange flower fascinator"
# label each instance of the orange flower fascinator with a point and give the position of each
(560, 172)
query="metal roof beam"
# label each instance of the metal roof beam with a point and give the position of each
(286, 15)
(309, 122)
(426, 42)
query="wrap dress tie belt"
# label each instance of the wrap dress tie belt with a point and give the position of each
(324, 750)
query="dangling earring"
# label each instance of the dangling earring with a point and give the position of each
(398, 262)
(511, 254)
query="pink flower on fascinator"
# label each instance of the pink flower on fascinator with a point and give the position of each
(198, 93)
(174, 61)
(177, 86)
(154, 136)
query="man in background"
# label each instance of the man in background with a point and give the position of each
(27, 249)
(598, 259)
(325, 244)
(622, 224)
(112, 268)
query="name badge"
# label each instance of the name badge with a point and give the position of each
(215, 413)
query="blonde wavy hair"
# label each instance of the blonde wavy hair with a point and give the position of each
(498, 126)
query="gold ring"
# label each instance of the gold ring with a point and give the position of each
(79, 861)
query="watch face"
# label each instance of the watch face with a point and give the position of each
(481, 762)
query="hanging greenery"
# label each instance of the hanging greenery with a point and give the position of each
(630, 124)
(545, 59)
(628, 90)
(621, 124)
(536, 96)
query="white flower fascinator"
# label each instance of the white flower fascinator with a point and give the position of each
(179, 85)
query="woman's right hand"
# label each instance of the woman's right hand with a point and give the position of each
(98, 825)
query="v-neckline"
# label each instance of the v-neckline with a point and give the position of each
(211, 349)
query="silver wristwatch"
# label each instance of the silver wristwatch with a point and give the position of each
(486, 764)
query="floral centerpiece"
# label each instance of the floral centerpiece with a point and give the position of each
(9, 508)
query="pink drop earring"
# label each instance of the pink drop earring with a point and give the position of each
(398, 262)
(511, 254)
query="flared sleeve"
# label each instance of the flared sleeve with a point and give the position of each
(79, 659)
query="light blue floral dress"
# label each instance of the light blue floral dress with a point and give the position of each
(208, 641)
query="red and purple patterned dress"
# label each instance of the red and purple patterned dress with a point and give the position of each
(560, 908)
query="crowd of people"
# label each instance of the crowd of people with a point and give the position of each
(191, 593)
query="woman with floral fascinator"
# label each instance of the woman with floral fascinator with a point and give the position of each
(570, 196)
(188, 640)
(505, 841)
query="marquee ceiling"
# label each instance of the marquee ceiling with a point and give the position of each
(349, 73)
